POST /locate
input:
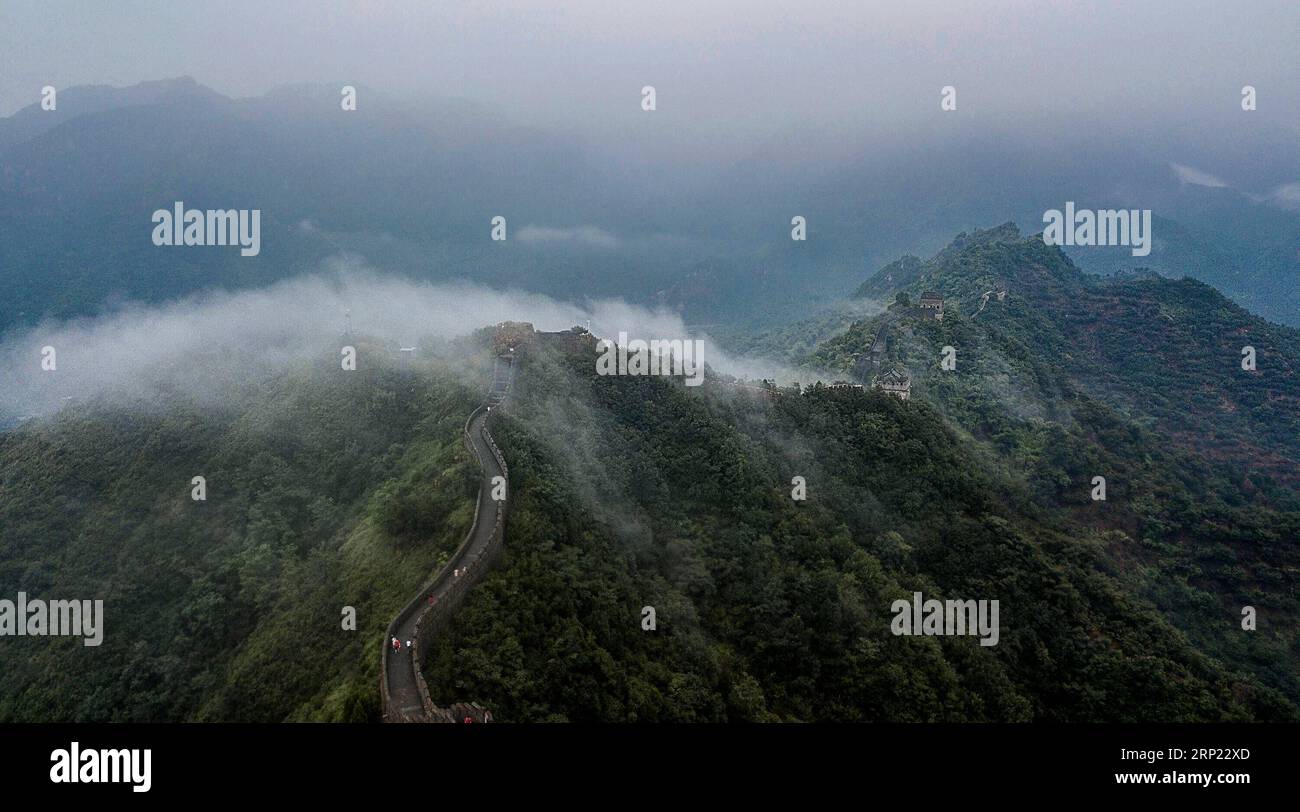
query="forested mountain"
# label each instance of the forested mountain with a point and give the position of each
(1168, 353)
(1124, 609)
(1138, 379)
(324, 490)
(635, 492)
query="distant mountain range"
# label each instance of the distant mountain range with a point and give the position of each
(412, 187)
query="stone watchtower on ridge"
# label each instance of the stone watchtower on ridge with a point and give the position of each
(894, 382)
(932, 304)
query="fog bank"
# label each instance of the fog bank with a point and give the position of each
(204, 345)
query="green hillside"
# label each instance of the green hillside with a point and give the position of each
(325, 489)
(1137, 379)
(329, 489)
(635, 492)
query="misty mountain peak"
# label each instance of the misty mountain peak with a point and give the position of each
(74, 102)
(1007, 232)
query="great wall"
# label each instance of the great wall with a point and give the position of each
(404, 694)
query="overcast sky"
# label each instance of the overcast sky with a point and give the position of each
(722, 68)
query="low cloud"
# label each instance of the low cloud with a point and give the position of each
(580, 235)
(1191, 176)
(207, 345)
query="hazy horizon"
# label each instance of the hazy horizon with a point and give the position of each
(730, 77)
(762, 112)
